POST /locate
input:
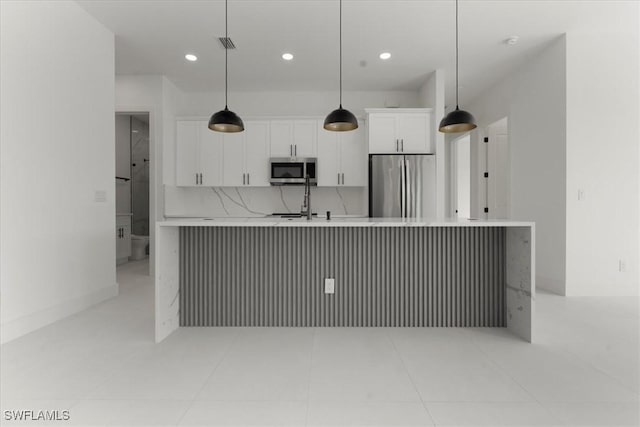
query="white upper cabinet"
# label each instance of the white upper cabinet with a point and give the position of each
(293, 138)
(233, 149)
(256, 158)
(342, 158)
(406, 130)
(198, 155)
(246, 156)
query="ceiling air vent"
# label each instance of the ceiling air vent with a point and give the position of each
(226, 42)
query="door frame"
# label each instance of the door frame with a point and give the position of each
(155, 159)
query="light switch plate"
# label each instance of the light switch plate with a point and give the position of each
(100, 196)
(329, 286)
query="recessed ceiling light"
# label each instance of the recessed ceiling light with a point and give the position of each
(287, 56)
(191, 57)
(385, 55)
(512, 40)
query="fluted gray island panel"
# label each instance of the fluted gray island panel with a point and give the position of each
(388, 272)
(384, 276)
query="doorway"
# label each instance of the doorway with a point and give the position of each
(499, 170)
(132, 186)
(461, 177)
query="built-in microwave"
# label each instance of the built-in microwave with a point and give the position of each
(292, 171)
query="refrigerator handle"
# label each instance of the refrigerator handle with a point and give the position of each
(403, 189)
(409, 199)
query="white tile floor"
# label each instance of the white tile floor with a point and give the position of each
(103, 367)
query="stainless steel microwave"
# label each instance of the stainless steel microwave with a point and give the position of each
(292, 171)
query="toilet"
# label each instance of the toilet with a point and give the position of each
(139, 247)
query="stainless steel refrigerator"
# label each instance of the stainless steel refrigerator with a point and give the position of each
(402, 185)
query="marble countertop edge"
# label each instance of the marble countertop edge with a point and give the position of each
(339, 222)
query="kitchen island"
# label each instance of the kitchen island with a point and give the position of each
(388, 272)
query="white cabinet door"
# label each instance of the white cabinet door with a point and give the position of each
(123, 236)
(328, 158)
(210, 156)
(304, 138)
(187, 153)
(413, 132)
(281, 133)
(233, 148)
(293, 138)
(354, 162)
(256, 155)
(407, 131)
(382, 133)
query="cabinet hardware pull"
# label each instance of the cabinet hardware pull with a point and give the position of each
(338, 178)
(295, 150)
(200, 179)
(248, 182)
(342, 178)
(243, 178)
(196, 179)
(291, 150)
(397, 145)
(402, 144)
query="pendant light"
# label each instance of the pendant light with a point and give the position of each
(226, 120)
(457, 120)
(340, 120)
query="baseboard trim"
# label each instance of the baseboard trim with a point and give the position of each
(34, 321)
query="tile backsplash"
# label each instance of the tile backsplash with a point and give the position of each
(260, 201)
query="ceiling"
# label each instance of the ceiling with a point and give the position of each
(152, 37)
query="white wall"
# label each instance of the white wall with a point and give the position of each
(431, 95)
(602, 160)
(294, 103)
(533, 98)
(56, 95)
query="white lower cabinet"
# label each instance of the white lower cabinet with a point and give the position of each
(342, 158)
(123, 237)
(246, 156)
(198, 155)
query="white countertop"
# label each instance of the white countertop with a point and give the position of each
(340, 222)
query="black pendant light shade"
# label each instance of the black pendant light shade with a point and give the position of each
(225, 120)
(340, 120)
(458, 120)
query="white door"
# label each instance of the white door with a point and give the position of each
(498, 166)
(210, 157)
(187, 153)
(462, 149)
(304, 138)
(382, 133)
(281, 133)
(413, 132)
(233, 148)
(328, 158)
(256, 156)
(354, 161)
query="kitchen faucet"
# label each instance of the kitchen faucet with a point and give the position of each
(306, 203)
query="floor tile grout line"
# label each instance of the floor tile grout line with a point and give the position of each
(313, 343)
(590, 364)
(415, 387)
(501, 369)
(215, 368)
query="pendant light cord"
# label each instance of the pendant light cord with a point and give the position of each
(457, 103)
(340, 54)
(226, 55)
